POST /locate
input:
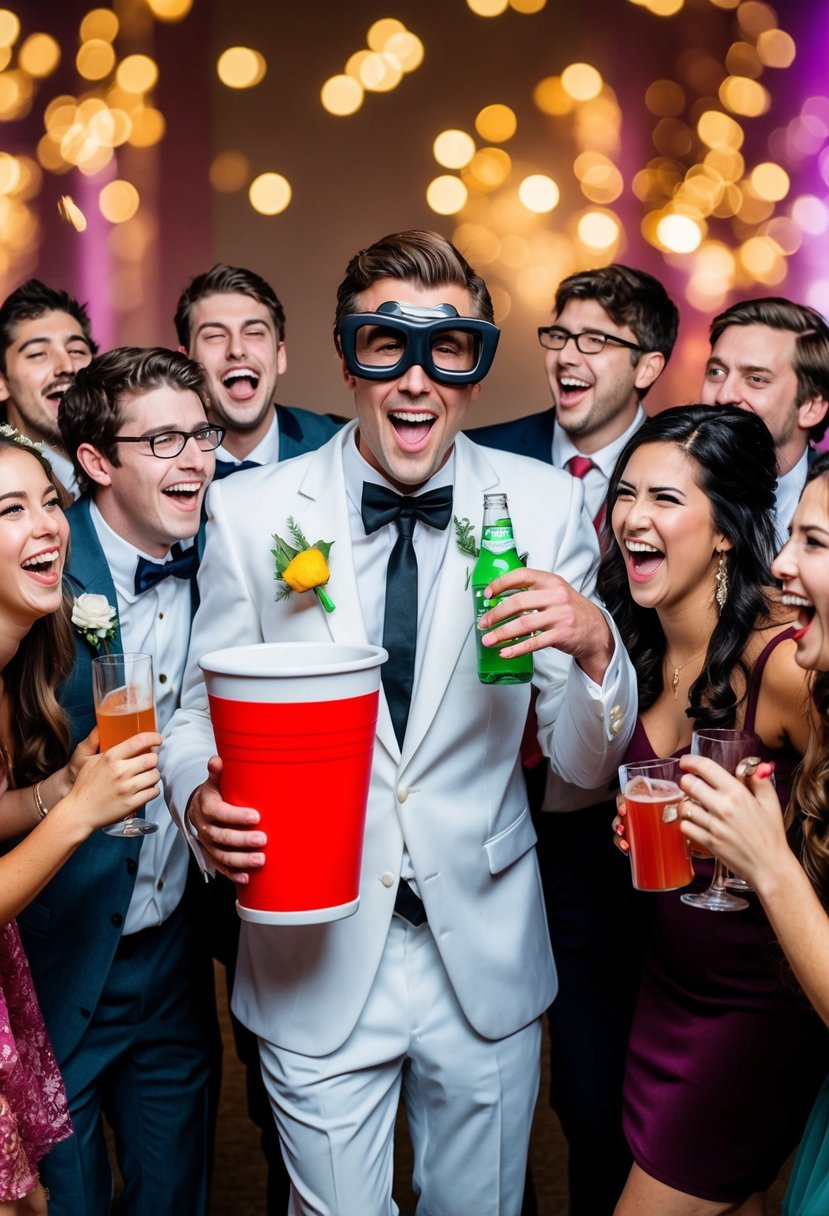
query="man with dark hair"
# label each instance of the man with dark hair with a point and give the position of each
(45, 338)
(613, 332)
(125, 992)
(435, 986)
(771, 356)
(231, 321)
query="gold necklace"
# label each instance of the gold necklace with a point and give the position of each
(679, 668)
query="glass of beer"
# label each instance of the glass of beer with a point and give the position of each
(124, 695)
(659, 853)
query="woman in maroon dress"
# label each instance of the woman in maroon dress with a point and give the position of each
(55, 805)
(725, 1056)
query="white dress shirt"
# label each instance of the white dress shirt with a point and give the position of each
(371, 558)
(265, 452)
(560, 795)
(789, 488)
(596, 480)
(63, 469)
(156, 622)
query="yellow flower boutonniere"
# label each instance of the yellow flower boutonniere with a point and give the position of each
(302, 566)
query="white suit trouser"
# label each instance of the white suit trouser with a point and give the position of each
(469, 1100)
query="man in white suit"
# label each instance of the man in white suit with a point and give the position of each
(436, 985)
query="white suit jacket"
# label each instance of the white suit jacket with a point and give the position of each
(455, 794)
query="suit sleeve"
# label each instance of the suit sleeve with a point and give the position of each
(583, 728)
(226, 616)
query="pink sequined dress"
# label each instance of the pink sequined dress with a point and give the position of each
(33, 1113)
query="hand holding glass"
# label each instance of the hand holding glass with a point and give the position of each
(727, 748)
(124, 695)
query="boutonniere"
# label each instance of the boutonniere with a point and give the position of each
(302, 566)
(95, 620)
(465, 536)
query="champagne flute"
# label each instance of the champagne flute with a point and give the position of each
(124, 696)
(727, 748)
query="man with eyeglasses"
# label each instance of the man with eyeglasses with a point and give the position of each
(432, 991)
(126, 992)
(612, 334)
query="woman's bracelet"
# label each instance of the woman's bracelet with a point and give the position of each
(40, 805)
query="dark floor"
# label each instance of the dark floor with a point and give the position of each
(238, 1188)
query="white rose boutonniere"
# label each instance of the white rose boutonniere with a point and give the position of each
(95, 619)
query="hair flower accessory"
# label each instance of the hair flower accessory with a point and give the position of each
(10, 432)
(302, 566)
(95, 619)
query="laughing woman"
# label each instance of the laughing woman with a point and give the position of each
(721, 1067)
(55, 807)
(744, 826)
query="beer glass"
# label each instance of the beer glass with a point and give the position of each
(124, 695)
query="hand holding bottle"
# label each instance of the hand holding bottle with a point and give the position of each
(561, 618)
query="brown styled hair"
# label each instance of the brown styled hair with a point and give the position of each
(225, 279)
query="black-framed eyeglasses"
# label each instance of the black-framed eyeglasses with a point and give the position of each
(168, 444)
(589, 341)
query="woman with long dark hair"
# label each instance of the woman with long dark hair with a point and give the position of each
(721, 1061)
(52, 803)
(742, 823)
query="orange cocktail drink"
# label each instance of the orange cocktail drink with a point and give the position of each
(124, 712)
(659, 853)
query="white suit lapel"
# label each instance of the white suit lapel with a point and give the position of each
(323, 515)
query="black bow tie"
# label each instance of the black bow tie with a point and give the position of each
(183, 564)
(225, 467)
(381, 506)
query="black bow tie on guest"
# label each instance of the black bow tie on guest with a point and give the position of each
(381, 506)
(225, 467)
(183, 564)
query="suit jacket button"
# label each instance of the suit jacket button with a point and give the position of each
(387, 878)
(402, 793)
(117, 919)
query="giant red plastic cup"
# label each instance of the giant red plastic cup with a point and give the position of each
(294, 725)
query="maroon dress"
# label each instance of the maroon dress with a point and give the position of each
(726, 1056)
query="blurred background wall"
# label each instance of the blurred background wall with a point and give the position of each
(143, 140)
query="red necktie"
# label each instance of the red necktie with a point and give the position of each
(580, 466)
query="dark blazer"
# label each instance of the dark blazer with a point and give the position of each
(71, 931)
(303, 430)
(529, 436)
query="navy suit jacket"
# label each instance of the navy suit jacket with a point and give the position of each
(71, 931)
(529, 436)
(303, 430)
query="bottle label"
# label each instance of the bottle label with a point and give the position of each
(497, 540)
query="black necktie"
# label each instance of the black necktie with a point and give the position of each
(379, 507)
(225, 467)
(183, 564)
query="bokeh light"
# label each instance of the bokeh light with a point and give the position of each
(496, 123)
(270, 193)
(341, 95)
(99, 23)
(118, 201)
(453, 149)
(446, 195)
(581, 81)
(39, 55)
(137, 73)
(539, 193)
(241, 67)
(229, 171)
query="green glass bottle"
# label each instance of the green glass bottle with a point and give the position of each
(498, 555)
